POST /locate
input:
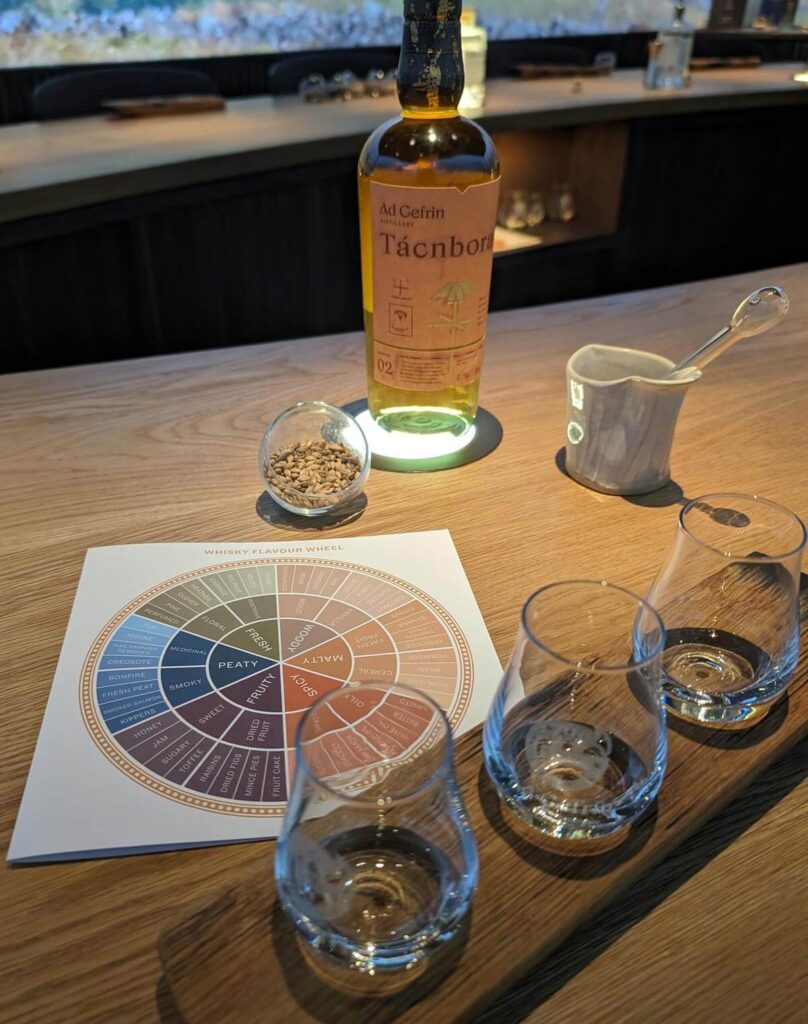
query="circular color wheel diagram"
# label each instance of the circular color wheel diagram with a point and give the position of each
(196, 688)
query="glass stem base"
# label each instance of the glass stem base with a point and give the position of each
(721, 680)
(718, 716)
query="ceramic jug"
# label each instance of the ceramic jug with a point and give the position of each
(621, 417)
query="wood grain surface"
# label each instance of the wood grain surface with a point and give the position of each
(62, 165)
(237, 951)
(702, 936)
(163, 449)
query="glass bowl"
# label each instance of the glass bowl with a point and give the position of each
(312, 422)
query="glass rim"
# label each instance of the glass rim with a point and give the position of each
(641, 603)
(317, 404)
(406, 691)
(761, 559)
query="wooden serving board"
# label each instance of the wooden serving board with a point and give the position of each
(236, 958)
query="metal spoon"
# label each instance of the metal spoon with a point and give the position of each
(757, 313)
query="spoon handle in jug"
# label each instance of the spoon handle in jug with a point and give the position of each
(710, 350)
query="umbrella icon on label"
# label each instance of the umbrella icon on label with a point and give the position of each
(451, 296)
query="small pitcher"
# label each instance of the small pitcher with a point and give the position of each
(621, 416)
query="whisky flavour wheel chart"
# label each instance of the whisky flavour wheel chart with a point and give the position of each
(187, 668)
(198, 691)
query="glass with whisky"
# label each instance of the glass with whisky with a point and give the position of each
(575, 737)
(376, 865)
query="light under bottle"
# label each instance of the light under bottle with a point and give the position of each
(405, 444)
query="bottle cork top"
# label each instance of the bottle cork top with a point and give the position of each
(432, 10)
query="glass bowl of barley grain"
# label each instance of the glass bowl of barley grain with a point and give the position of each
(314, 458)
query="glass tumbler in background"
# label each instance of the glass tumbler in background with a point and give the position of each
(514, 210)
(575, 737)
(374, 82)
(345, 85)
(729, 595)
(376, 864)
(605, 61)
(561, 204)
(313, 88)
(536, 211)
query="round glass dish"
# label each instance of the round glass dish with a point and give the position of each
(316, 423)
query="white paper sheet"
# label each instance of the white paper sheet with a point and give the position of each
(186, 667)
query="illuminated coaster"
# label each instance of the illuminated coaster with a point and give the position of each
(422, 453)
(196, 689)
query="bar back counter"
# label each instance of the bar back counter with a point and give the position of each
(127, 238)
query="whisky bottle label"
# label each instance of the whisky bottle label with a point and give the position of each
(432, 253)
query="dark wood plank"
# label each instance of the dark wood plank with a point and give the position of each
(662, 954)
(237, 952)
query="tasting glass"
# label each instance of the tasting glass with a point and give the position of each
(313, 88)
(374, 82)
(536, 211)
(380, 83)
(606, 59)
(729, 595)
(575, 737)
(312, 421)
(514, 210)
(345, 85)
(561, 202)
(376, 863)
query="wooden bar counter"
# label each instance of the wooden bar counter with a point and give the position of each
(238, 227)
(164, 449)
(62, 165)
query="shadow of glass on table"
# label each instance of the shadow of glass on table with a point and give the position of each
(584, 947)
(587, 859)
(278, 517)
(240, 959)
(167, 1012)
(382, 997)
(672, 494)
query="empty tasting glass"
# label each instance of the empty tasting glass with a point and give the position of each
(729, 595)
(380, 83)
(575, 737)
(374, 82)
(313, 88)
(606, 61)
(536, 211)
(345, 85)
(376, 864)
(514, 210)
(561, 202)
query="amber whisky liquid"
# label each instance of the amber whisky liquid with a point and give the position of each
(430, 257)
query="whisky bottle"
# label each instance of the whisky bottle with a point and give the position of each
(675, 46)
(428, 191)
